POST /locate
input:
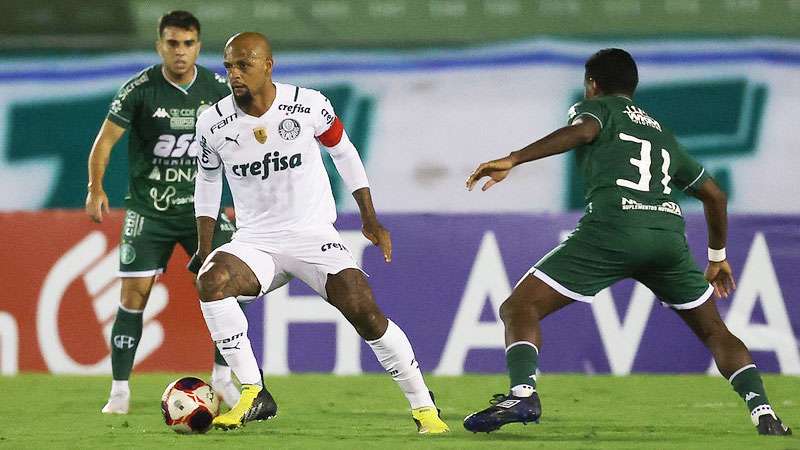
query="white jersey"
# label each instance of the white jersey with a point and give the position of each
(272, 163)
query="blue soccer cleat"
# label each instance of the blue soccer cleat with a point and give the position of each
(505, 409)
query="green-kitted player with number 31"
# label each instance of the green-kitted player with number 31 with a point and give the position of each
(632, 228)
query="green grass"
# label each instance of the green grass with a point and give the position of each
(322, 411)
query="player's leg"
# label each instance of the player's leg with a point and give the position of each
(350, 293)
(675, 278)
(734, 363)
(221, 379)
(530, 302)
(144, 250)
(125, 335)
(576, 270)
(229, 272)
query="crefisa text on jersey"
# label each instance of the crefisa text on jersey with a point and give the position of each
(294, 108)
(275, 159)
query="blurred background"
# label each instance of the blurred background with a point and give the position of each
(427, 89)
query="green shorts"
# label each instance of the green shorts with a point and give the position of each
(596, 256)
(146, 243)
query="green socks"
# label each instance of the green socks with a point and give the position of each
(747, 383)
(125, 337)
(522, 359)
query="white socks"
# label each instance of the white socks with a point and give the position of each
(220, 374)
(522, 390)
(119, 388)
(395, 354)
(227, 325)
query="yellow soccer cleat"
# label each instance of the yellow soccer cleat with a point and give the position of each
(428, 420)
(255, 403)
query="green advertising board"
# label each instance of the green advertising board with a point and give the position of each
(293, 24)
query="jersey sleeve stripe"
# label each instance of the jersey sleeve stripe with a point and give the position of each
(296, 92)
(585, 113)
(216, 105)
(695, 180)
(117, 116)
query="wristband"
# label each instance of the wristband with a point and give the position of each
(717, 255)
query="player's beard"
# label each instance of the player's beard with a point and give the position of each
(244, 100)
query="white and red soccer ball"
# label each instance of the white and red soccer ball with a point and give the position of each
(189, 405)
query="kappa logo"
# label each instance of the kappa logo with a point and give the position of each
(161, 113)
(750, 396)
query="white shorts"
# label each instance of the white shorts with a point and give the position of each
(310, 256)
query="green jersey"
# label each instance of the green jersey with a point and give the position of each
(634, 167)
(161, 151)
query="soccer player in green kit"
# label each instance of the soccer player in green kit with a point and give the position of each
(632, 228)
(159, 105)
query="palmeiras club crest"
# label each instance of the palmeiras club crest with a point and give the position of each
(260, 134)
(289, 129)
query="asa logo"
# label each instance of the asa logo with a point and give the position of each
(85, 277)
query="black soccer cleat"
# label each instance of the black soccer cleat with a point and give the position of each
(770, 425)
(505, 409)
(263, 408)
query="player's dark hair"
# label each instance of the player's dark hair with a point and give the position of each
(614, 70)
(178, 19)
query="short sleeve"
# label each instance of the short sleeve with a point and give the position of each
(127, 102)
(588, 108)
(689, 174)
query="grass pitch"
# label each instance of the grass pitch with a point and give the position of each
(322, 411)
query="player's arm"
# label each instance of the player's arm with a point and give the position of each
(207, 198)
(583, 130)
(350, 167)
(715, 205)
(96, 199)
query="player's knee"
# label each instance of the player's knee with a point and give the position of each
(211, 283)
(133, 301)
(513, 307)
(365, 316)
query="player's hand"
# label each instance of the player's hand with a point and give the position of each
(720, 275)
(379, 236)
(96, 205)
(195, 262)
(496, 170)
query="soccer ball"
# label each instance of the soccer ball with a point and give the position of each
(189, 405)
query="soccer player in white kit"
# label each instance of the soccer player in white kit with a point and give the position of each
(265, 137)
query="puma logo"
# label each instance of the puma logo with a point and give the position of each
(235, 140)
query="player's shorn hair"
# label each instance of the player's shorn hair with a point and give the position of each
(614, 70)
(179, 19)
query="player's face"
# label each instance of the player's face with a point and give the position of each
(248, 72)
(178, 49)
